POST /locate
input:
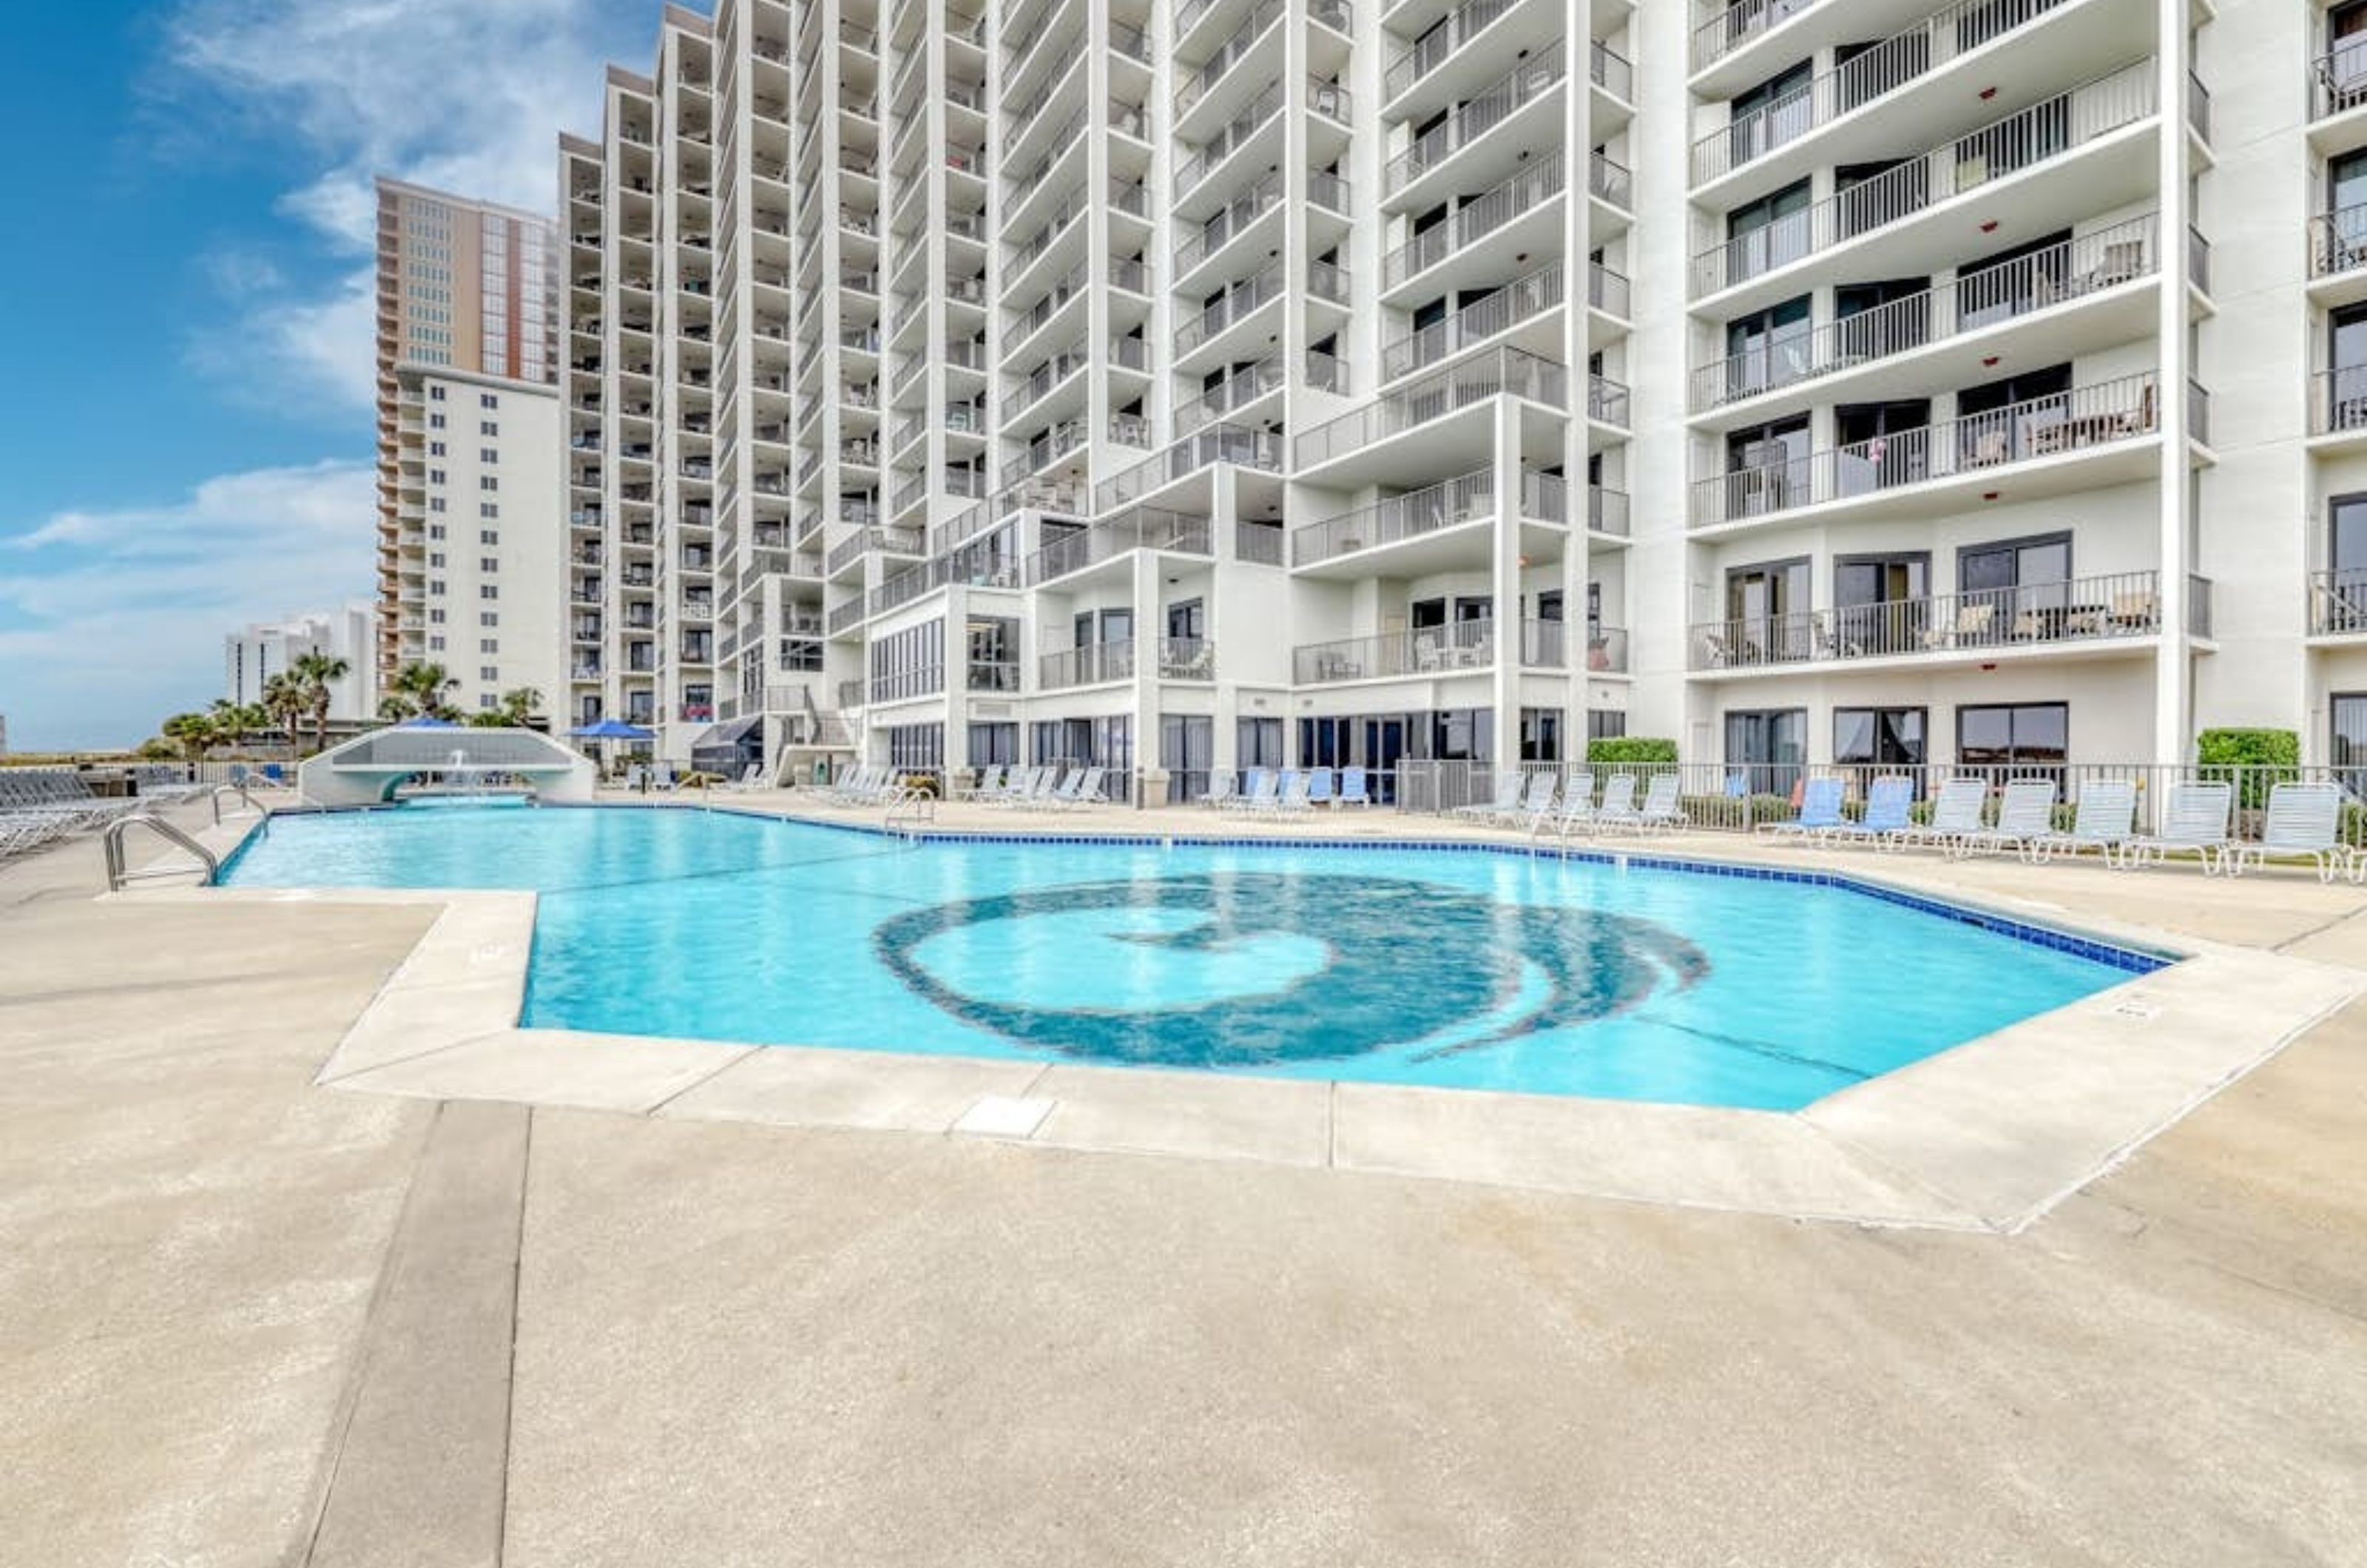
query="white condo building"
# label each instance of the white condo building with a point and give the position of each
(1178, 386)
(254, 654)
(471, 541)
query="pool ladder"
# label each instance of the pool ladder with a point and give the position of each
(910, 807)
(119, 875)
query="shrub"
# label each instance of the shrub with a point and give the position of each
(1630, 749)
(2257, 758)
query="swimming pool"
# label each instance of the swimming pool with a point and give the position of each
(1391, 964)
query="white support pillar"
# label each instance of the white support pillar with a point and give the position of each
(2174, 664)
(1504, 584)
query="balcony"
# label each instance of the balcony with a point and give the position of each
(1606, 511)
(1234, 304)
(1979, 448)
(1606, 401)
(1504, 371)
(1460, 647)
(1139, 529)
(2337, 241)
(1186, 659)
(1729, 25)
(1978, 625)
(1244, 386)
(1880, 70)
(1202, 449)
(1451, 503)
(2337, 80)
(2043, 134)
(994, 676)
(925, 681)
(1526, 83)
(1090, 665)
(2337, 603)
(2337, 401)
(2082, 266)
(1483, 215)
(866, 541)
(1522, 299)
(1228, 223)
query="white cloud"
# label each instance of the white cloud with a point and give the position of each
(460, 95)
(111, 618)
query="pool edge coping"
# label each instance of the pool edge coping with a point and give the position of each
(1985, 1135)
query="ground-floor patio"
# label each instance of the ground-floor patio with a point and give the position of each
(249, 1319)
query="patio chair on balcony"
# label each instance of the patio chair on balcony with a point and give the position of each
(2135, 611)
(2123, 260)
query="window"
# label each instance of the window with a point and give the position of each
(435, 476)
(1257, 742)
(1767, 348)
(489, 591)
(489, 483)
(1767, 468)
(489, 618)
(1540, 734)
(436, 503)
(435, 645)
(488, 455)
(2346, 360)
(2344, 605)
(488, 401)
(2015, 588)
(2348, 751)
(488, 427)
(436, 617)
(488, 535)
(1882, 603)
(488, 563)
(435, 557)
(1879, 736)
(435, 422)
(435, 449)
(488, 673)
(1767, 234)
(488, 644)
(2005, 735)
(1769, 114)
(487, 700)
(489, 508)
(1769, 746)
(436, 530)
(1767, 612)
(1606, 724)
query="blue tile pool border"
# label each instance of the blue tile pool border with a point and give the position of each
(2127, 958)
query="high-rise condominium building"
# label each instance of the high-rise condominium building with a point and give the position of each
(1177, 386)
(471, 538)
(254, 654)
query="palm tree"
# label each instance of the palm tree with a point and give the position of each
(195, 733)
(518, 705)
(416, 689)
(233, 722)
(315, 674)
(283, 699)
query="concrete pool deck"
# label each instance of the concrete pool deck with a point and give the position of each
(251, 1320)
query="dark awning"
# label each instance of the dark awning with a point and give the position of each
(730, 741)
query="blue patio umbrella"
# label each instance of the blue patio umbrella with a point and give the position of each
(427, 721)
(613, 730)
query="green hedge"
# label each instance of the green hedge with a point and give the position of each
(1630, 749)
(2264, 755)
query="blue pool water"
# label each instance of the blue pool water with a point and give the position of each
(1471, 970)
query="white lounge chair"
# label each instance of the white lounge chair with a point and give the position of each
(1220, 789)
(1508, 799)
(1297, 793)
(2026, 813)
(1536, 802)
(1957, 811)
(1660, 812)
(1265, 793)
(1617, 811)
(2194, 822)
(2105, 820)
(1576, 813)
(1353, 789)
(2304, 822)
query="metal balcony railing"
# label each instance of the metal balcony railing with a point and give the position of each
(1090, 665)
(1433, 50)
(1460, 647)
(2099, 415)
(2337, 602)
(1227, 139)
(1186, 659)
(1228, 221)
(925, 681)
(1244, 385)
(1982, 620)
(2085, 264)
(1475, 220)
(1875, 73)
(1473, 118)
(2338, 403)
(2338, 79)
(1259, 449)
(1443, 392)
(1236, 49)
(1466, 498)
(1728, 25)
(2038, 135)
(1237, 302)
(1522, 300)
(994, 676)
(1607, 290)
(2338, 241)
(1258, 542)
(1606, 510)
(1606, 401)
(1143, 527)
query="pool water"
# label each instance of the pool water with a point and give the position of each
(1501, 971)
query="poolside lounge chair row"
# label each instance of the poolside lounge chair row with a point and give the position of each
(1542, 804)
(866, 786)
(2303, 822)
(1288, 789)
(1041, 788)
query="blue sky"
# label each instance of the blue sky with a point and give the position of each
(186, 444)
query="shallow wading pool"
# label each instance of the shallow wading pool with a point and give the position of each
(1408, 964)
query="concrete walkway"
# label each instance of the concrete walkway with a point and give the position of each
(243, 1320)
